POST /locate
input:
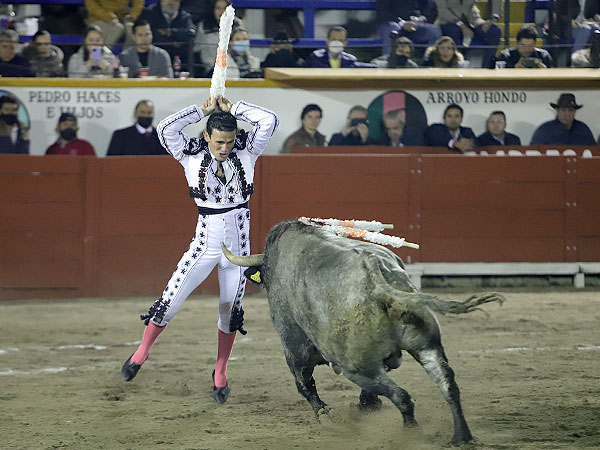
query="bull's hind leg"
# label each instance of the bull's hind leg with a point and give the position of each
(434, 361)
(378, 383)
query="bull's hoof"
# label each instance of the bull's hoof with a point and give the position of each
(410, 422)
(323, 413)
(372, 406)
(459, 441)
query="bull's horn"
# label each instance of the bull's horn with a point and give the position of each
(244, 261)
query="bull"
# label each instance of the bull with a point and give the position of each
(350, 304)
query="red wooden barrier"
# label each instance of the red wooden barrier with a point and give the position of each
(117, 226)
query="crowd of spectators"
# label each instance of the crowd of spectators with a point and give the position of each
(415, 33)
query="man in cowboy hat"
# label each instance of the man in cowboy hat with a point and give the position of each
(565, 129)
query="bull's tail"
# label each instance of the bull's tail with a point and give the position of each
(446, 306)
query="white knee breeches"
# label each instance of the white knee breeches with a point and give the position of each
(204, 253)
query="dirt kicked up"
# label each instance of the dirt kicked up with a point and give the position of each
(529, 376)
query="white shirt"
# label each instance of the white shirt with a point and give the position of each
(200, 165)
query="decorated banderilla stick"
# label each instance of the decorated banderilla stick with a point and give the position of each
(217, 83)
(360, 229)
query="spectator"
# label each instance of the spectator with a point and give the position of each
(14, 135)
(461, 19)
(451, 134)
(496, 133)
(240, 62)
(410, 19)
(281, 53)
(396, 134)
(564, 129)
(584, 25)
(399, 58)
(114, 18)
(62, 19)
(12, 64)
(588, 57)
(67, 142)
(559, 31)
(356, 131)
(140, 138)
(144, 54)
(526, 54)
(93, 59)
(207, 37)
(172, 28)
(46, 59)
(334, 55)
(444, 54)
(307, 135)
(196, 8)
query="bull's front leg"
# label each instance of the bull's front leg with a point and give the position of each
(435, 363)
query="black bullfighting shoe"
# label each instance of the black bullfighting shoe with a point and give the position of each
(130, 370)
(220, 394)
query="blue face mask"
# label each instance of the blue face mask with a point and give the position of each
(241, 46)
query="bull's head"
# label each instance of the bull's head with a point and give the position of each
(244, 261)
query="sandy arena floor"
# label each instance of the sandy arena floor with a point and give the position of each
(529, 376)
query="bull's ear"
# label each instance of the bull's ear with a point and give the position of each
(253, 274)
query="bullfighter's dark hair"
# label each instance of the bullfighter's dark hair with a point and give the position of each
(454, 106)
(221, 121)
(310, 107)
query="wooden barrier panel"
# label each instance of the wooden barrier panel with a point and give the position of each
(117, 226)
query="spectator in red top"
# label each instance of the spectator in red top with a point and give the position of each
(67, 142)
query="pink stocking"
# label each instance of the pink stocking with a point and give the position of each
(225, 346)
(150, 334)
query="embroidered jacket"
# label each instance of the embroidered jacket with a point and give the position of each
(200, 166)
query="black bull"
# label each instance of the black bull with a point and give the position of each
(351, 304)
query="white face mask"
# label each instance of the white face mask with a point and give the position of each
(336, 47)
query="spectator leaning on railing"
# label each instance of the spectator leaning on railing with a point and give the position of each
(451, 133)
(496, 133)
(93, 59)
(12, 64)
(334, 55)
(525, 54)
(46, 59)
(399, 57)
(241, 63)
(444, 54)
(144, 54)
(307, 135)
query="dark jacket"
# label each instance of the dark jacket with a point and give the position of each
(438, 135)
(48, 66)
(6, 143)
(320, 58)
(512, 56)
(591, 8)
(486, 139)
(349, 139)
(19, 66)
(181, 31)
(128, 141)
(554, 133)
(391, 10)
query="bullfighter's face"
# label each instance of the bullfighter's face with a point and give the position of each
(220, 143)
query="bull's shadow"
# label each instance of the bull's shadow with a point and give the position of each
(350, 304)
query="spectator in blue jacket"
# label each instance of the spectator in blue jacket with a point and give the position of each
(564, 129)
(450, 133)
(334, 55)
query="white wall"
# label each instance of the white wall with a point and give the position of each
(104, 109)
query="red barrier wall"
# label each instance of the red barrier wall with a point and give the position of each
(117, 226)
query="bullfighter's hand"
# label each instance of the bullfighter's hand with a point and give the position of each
(224, 104)
(209, 106)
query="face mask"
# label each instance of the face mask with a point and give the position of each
(241, 46)
(9, 119)
(145, 122)
(68, 134)
(336, 47)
